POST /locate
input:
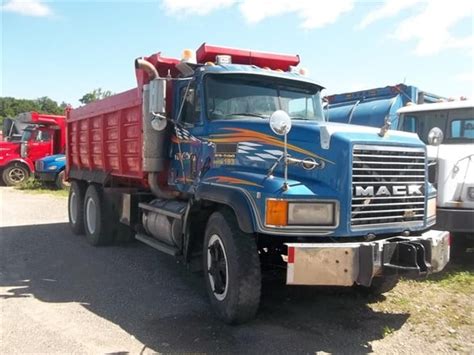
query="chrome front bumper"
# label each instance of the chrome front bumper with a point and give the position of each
(345, 264)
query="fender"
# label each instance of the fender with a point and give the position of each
(233, 198)
(26, 162)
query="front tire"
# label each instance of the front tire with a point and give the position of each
(76, 207)
(231, 268)
(99, 231)
(15, 174)
(380, 285)
(61, 182)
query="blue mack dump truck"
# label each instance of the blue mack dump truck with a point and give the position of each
(373, 107)
(227, 159)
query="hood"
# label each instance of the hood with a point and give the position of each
(9, 147)
(252, 145)
(54, 158)
(319, 135)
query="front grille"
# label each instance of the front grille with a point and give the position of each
(388, 186)
(39, 165)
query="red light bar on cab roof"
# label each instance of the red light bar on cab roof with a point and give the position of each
(208, 53)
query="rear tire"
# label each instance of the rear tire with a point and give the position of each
(15, 174)
(61, 182)
(99, 230)
(76, 207)
(231, 269)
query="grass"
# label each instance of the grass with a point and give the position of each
(38, 187)
(386, 330)
(458, 280)
(440, 306)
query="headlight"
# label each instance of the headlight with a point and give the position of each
(431, 210)
(284, 213)
(52, 167)
(320, 214)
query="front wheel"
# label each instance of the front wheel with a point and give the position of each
(61, 182)
(15, 174)
(380, 285)
(232, 269)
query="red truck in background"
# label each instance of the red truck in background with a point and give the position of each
(41, 135)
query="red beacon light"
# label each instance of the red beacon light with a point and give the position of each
(273, 61)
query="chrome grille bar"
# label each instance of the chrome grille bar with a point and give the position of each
(390, 182)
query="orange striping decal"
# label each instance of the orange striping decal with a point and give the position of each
(176, 140)
(243, 135)
(231, 180)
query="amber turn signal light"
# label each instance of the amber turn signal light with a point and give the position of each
(276, 213)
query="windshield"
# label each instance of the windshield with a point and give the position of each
(240, 96)
(456, 124)
(27, 134)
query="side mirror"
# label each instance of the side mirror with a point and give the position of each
(435, 136)
(280, 122)
(157, 103)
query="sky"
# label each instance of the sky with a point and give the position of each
(63, 49)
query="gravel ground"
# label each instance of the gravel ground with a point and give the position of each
(60, 295)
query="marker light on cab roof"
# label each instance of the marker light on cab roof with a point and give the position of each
(188, 56)
(223, 59)
(303, 71)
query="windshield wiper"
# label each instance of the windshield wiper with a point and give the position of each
(300, 118)
(249, 114)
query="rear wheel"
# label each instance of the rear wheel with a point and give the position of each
(61, 182)
(76, 207)
(232, 269)
(99, 231)
(15, 174)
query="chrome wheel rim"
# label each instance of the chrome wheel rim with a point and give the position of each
(217, 267)
(16, 175)
(91, 216)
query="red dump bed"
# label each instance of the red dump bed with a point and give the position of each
(106, 136)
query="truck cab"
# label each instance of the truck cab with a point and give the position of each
(448, 130)
(42, 135)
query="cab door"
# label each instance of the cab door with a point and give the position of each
(189, 146)
(40, 145)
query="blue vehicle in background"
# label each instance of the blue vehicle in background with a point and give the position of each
(374, 106)
(51, 169)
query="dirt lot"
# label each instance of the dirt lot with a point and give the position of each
(59, 295)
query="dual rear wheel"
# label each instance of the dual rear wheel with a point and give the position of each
(92, 213)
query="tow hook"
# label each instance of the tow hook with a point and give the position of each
(410, 258)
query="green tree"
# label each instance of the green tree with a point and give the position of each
(11, 107)
(94, 95)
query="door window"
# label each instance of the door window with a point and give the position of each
(43, 136)
(191, 107)
(462, 128)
